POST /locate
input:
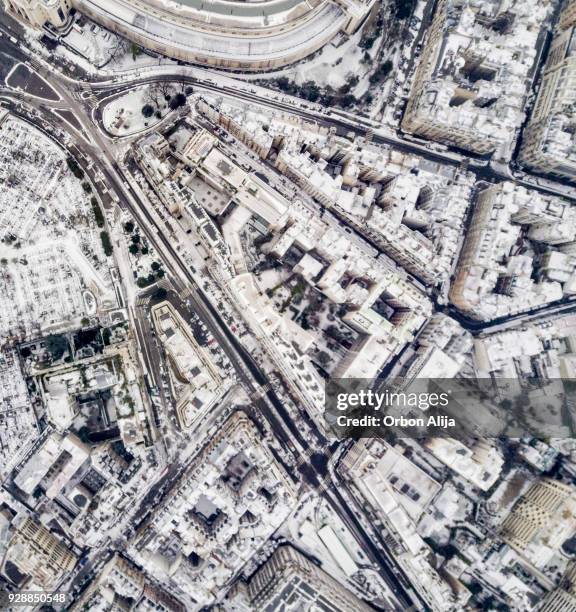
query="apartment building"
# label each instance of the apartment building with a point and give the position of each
(470, 86)
(541, 520)
(38, 554)
(290, 582)
(549, 141)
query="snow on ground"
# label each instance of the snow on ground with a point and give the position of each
(143, 256)
(50, 248)
(347, 62)
(93, 42)
(328, 66)
(405, 61)
(122, 116)
(340, 63)
(128, 61)
(120, 63)
(98, 51)
(69, 57)
(332, 65)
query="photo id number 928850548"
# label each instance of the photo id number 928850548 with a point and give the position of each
(12, 599)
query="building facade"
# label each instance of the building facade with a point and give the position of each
(568, 15)
(288, 581)
(549, 141)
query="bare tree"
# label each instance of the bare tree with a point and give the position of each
(182, 86)
(154, 95)
(165, 88)
(118, 51)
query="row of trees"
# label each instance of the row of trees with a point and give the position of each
(328, 96)
(75, 168)
(156, 274)
(106, 243)
(79, 174)
(98, 214)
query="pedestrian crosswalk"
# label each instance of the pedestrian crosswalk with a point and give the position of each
(84, 92)
(186, 292)
(35, 64)
(164, 283)
(260, 392)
